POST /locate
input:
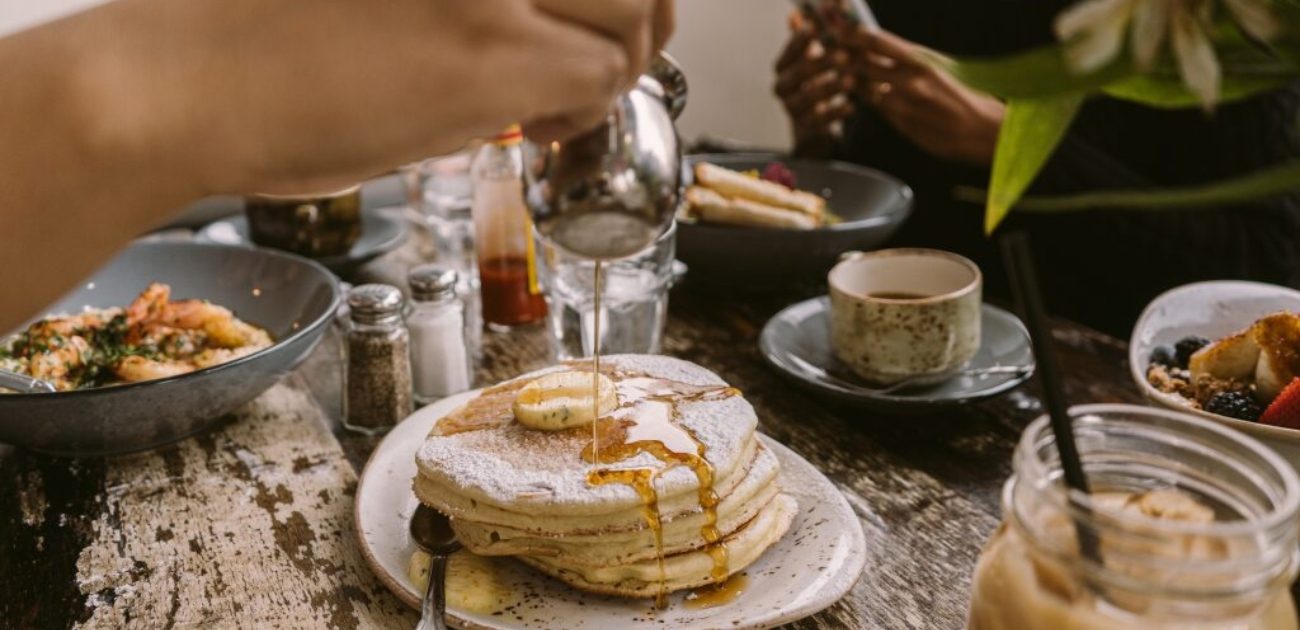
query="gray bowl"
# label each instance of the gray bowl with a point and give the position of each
(873, 206)
(293, 298)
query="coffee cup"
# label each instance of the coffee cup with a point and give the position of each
(314, 225)
(900, 313)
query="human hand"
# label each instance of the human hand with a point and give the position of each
(284, 95)
(923, 102)
(813, 87)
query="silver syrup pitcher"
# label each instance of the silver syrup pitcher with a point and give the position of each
(614, 190)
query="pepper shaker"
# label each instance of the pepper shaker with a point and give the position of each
(377, 381)
(440, 357)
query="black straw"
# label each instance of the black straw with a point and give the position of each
(1024, 286)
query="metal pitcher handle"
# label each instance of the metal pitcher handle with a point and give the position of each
(666, 81)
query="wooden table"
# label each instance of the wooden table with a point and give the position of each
(251, 524)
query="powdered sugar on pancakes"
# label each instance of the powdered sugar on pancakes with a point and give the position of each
(520, 469)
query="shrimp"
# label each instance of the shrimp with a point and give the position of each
(223, 330)
(56, 362)
(148, 305)
(54, 327)
(136, 368)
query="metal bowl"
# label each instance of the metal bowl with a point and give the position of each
(871, 204)
(291, 297)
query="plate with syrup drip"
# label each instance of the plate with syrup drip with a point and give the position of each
(807, 570)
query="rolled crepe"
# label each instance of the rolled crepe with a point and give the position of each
(715, 208)
(735, 185)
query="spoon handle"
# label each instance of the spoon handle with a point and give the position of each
(24, 384)
(433, 609)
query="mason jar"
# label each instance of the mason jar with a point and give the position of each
(1192, 525)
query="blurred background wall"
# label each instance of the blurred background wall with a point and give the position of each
(727, 47)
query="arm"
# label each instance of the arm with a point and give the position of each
(110, 118)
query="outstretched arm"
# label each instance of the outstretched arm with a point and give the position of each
(111, 118)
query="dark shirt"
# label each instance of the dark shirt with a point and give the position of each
(1099, 267)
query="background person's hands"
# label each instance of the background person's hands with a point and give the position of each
(927, 105)
(813, 86)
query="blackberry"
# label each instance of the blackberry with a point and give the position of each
(1186, 347)
(1239, 405)
(1164, 355)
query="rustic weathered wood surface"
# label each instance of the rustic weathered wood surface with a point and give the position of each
(250, 524)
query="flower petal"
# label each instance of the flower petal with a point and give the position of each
(1255, 18)
(1150, 23)
(1093, 32)
(1196, 61)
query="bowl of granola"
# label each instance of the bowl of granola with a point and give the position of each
(1228, 351)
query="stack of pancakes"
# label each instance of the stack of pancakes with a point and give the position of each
(516, 491)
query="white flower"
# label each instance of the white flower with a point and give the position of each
(1093, 32)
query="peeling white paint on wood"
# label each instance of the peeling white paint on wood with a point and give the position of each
(248, 525)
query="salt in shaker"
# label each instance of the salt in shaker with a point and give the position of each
(377, 381)
(440, 357)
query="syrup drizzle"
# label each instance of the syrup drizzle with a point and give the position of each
(718, 593)
(647, 422)
(595, 362)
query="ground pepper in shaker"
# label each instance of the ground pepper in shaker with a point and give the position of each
(377, 381)
(440, 358)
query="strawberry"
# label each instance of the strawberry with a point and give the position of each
(780, 174)
(1285, 409)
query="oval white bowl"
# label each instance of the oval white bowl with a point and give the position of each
(1212, 310)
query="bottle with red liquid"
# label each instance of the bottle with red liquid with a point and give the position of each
(503, 235)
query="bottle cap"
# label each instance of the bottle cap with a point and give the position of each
(431, 282)
(375, 303)
(513, 134)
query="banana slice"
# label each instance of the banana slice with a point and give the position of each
(474, 583)
(563, 400)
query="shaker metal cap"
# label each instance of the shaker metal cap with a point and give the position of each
(430, 282)
(375, 302)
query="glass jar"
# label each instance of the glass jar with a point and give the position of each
(377, 390)
(1225, 565)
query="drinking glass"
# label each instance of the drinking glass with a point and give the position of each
(441, 190)
(633, 300)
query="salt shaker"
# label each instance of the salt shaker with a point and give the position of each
(440, 357)
(377, 381)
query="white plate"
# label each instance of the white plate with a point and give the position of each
(1212, 310)
(810, 568)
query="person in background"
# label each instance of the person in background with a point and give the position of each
(112, 118)
(913, 120)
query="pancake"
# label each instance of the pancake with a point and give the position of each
(669, 489)
(681, 571)
(602, 548)
(539, 473)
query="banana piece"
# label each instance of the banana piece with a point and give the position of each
(729, 183)
(712, 207)
(473, 582)
(563, 400)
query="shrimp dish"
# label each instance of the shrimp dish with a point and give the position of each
(152, 338)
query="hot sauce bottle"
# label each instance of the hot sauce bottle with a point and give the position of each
(503, 235)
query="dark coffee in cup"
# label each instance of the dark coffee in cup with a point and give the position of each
(315, 225)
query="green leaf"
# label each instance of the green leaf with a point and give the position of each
(1037, 73)
(1269, 182)
(1030, 132)
(1169, 92)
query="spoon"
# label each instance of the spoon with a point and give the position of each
(432, 533)
(24, 384)
(934, 379)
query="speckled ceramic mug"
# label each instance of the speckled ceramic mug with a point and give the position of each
(899, 313)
